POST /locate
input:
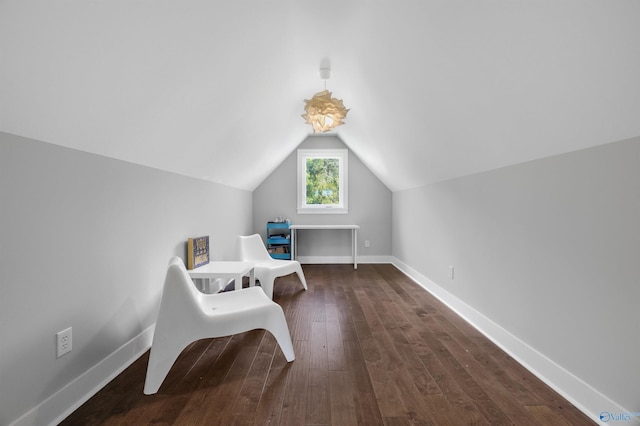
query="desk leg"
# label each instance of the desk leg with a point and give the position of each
(354, 242)
(238, 282)
(293, 244)
(252, 278)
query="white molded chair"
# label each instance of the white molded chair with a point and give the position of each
(251, 249)
(187, 315)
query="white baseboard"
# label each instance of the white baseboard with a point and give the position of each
(587, 399)
(64, 402)
(342, 259)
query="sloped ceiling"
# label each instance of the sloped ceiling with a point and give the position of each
(214, 90)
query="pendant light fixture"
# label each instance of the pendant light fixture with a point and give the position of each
(322, 111)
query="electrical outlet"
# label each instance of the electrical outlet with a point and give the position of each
(63, 340)
(366, 243)
(451, 272)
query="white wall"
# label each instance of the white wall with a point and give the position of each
(369, 207)
(84, 243)
(548, 251)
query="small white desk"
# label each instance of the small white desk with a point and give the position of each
(354, 238)
(225, 269)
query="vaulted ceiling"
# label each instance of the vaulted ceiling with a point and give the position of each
(214, 90)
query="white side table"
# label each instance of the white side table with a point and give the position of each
(225, 269)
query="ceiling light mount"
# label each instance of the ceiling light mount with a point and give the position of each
(322, 111)
(325, 73)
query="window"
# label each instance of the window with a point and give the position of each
(322, 181)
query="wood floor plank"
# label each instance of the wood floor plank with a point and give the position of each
(396, 421)
(458, 372)
(413, 358)
(345, 321)
(208, 390)
(365, 404)
(249, 397)
(229, 392)
(468, 411)
(487, 366)
(545, 416)
(491, 383)
(294, 404)
(104, 405)
(555, 402)
(372, 348)
(269, 408)
(335, 348)
(318, 410)
(341, 395)
(319, 354)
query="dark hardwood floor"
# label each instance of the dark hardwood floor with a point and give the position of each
(372, 348)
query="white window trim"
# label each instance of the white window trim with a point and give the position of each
(343, 156)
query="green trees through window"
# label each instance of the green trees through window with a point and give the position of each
(323, 181)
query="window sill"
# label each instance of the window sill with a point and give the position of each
(322, 210)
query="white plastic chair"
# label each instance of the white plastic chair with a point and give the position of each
(187, 315)
(251, 249)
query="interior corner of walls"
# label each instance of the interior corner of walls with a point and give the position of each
(582, 395)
